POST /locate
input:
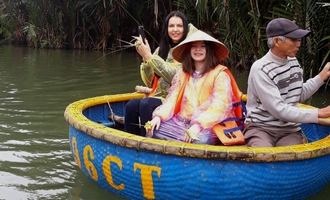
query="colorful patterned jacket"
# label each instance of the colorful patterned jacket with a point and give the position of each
(206, 101)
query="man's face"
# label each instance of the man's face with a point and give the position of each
(288, 47)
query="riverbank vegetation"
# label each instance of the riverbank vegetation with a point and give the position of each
(104, 24)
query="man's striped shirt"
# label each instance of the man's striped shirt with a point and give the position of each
(275, 86)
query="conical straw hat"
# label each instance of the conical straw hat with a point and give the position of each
(221, 50)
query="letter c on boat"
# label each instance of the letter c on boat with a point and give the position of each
(106, 167)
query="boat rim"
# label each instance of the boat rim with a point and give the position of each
(74, 116)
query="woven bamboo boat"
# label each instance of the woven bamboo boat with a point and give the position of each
(144, 168)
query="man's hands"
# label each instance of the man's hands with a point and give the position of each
(325, 73)
(324, 116)
(324, 112)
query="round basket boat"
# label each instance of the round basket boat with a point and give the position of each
(145, 168)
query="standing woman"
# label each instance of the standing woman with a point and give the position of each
(201, 94)
(157, 71)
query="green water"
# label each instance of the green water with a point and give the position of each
(36, 86)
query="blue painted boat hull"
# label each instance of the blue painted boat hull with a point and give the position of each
(140, 173)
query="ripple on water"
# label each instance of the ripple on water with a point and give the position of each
(14, 156)
(17, 142)
(14, 193)
(13, 187)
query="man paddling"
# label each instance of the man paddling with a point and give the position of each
(275, 86)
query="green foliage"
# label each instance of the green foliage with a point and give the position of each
(5, 32)
(31, 34)
(99, 21)
(239, 24)
(103, 24)
(315, 16)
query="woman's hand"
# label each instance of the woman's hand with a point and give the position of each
(143, 48)
(325, 73)
(153, 124)
(192, 133)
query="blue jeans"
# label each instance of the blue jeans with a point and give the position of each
(139, 108)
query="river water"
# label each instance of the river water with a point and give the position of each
(36, 86)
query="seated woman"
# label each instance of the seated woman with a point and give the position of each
(200, 96)
(157, 71)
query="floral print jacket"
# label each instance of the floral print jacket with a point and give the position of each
(206, 101)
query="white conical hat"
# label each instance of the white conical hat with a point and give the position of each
(221, 50)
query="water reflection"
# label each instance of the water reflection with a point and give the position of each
(36, 86)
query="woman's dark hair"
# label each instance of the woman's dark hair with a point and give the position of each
(165, 42)
(211, 59)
